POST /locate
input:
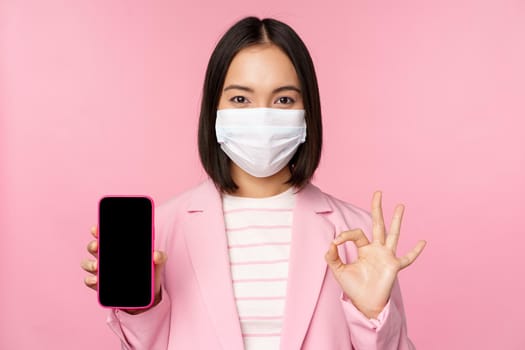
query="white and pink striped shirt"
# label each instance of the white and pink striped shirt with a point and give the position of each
(259, 232)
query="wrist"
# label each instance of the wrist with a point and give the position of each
(158, 298)
(370, 312)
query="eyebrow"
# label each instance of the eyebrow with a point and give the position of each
(247, 89)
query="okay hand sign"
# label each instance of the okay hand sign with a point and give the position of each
(368, 280)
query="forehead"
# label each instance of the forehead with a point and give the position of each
(261, 66)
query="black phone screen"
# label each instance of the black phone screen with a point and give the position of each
(125, 261)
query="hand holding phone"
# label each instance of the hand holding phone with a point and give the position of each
(91, 266)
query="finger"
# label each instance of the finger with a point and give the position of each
(92, 247)
(411, 256)
(89, 265)
(91, 282)
(332, 257)
(393, 236)
(378, 224)
(357, 236)
(159, 257)
(94, 231)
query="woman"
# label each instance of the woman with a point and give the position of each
(259, 258)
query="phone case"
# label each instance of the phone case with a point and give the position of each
(152, 252)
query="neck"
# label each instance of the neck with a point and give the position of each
(259, 187)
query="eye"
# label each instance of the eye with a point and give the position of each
(239, 99)
(285, 100)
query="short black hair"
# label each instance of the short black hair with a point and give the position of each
(247, 32)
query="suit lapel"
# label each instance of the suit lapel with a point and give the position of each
(207, 246)
(311, 236)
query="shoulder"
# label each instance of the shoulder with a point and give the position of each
(170, 211)
(342, 213)
(183, 200)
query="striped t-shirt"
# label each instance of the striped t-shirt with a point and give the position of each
(259, 236)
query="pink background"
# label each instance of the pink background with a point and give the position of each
(423, 100)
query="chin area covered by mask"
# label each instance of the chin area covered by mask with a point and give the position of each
(261, 141)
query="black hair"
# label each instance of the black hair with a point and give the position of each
(248, 32)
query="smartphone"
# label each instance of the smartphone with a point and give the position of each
(125, 252)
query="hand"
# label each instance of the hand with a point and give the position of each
(368, 281)
(91, 266)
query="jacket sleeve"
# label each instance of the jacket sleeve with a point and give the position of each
(387, 332)
(150, 329)
(146, 331)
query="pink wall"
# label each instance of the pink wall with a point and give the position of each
(421, 99)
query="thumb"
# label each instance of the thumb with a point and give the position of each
(332, 257)
(159, 258)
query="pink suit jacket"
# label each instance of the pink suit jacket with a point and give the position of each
(198, 309)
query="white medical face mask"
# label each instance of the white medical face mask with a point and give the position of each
(261, 141)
